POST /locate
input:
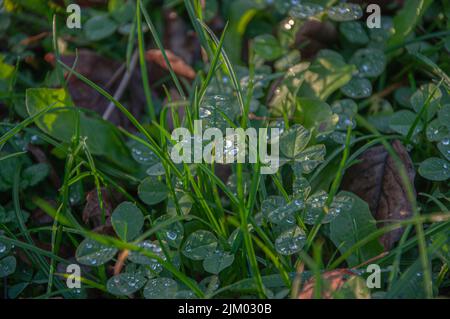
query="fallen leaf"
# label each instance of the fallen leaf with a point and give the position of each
(92, 212)
(178, 65)
(377, 181)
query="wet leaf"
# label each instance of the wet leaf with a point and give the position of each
(127, 221)
(430, 93)
(160, 288)
(7, 266)
(357, 88)
(271, 204)
(345, 12)
(311, 157)
(301, 187)
(402, 121)
(354, 32)
(315, 205)
(173, 233)
(377, 181)
(139, 258)
(217, 262)
(92, 253)
(199, 245)
(4, 247)
(354, 224)
(141, 153)
(179, 66)
(437, 131)
(435, 169)
(444, 147)
(216, 109)
(290, 241)
(370, 62)
(346, 110)
(278, 211)
(125, 284)
(305, 10)
(151, 191)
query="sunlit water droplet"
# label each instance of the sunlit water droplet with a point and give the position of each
(345, 12)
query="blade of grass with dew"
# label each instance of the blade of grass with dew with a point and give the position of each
(419, 115)
(334, 187)
(152, 145)
(230, 70)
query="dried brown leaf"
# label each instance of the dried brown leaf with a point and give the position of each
(178, 65)
(92, 212)
(377, 180)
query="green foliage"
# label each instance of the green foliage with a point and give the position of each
(7, 266)
(125, 284)
(92, 253)
(127, 221)
(406, 19)
(99, 27)
(105, 192)
(160, 288)
(64, 121)
(351, 226)
(151, 191)
(199, 245)
(217, 261)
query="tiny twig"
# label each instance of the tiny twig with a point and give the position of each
(122, 86)
(371, 260)
(121, 261)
